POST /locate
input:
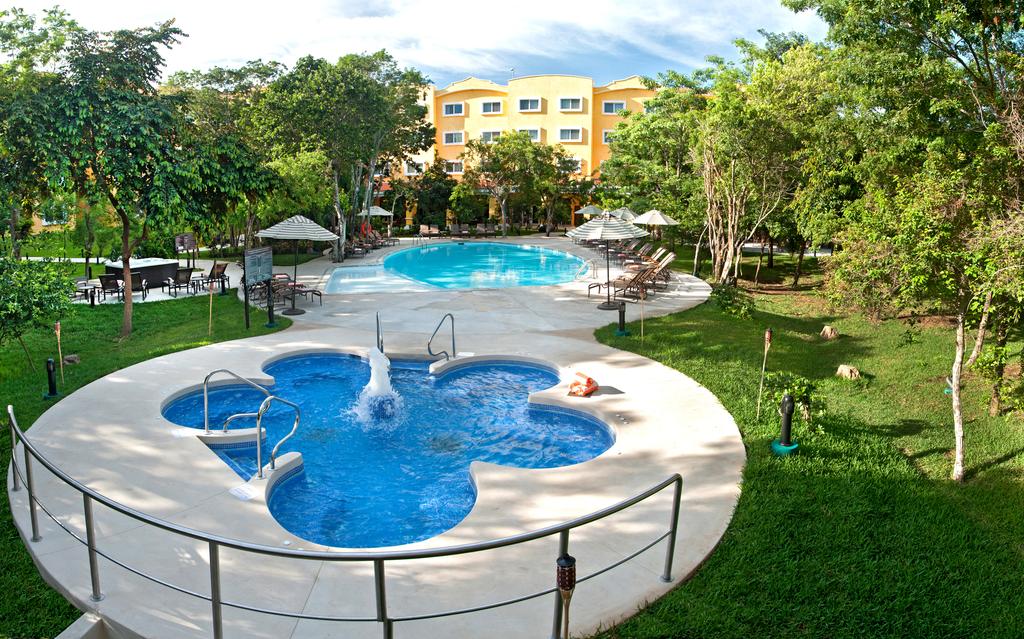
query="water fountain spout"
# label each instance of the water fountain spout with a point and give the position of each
(378, 402)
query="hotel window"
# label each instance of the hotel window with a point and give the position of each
(453, 166)
(533, 133)
(453, 137)
(454, 108)
(606, 136)
(490, 136)
(570, 135)
(570, 104)
(491, 107)
(529, 105)
(413, 168)
(612, 107)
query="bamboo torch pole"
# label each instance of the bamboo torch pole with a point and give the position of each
(209, 323)
(60, 354)
(764, 364)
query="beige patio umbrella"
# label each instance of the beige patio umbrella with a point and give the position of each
(608, 229)
(654, 217)
(586, 211)
(297, 228)
(624, 213)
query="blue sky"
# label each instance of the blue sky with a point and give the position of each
(604, 39)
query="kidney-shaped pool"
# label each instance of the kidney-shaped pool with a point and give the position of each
(369, 482)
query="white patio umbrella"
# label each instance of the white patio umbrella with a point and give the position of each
(607, 229)
(624, 213)
(376, 211)
(590, 209)
(654, 217)
(297, 228)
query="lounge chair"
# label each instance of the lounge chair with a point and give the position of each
(491, 229)
(182, 279)
(434, 231)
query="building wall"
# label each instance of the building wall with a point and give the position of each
(550, 119)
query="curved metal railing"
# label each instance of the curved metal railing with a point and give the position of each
(206, 394)
(447, 356)
(378, 558)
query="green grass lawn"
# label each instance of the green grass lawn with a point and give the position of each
(28, 607)
(861, 534)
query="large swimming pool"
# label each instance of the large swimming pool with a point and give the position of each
(460, 265)
(370, 483)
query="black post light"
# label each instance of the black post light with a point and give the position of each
(622, 332)
(270, 305)
(785, 445)
(51, 379)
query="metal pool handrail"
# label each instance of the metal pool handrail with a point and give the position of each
(259, 421)
(585, 265)
(379, 558)
(380, 335)
(206, 393)
(447, 316)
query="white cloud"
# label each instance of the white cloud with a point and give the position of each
(452, 40)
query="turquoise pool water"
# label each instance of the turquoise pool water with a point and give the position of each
(371, 483)
(454, 265)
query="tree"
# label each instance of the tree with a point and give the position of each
(501, 168)
(233, 169)
(936, 96)
(355, 112)
(32, 295)
(434, 190)
(553, 173)
(27, 47)
(116, 135)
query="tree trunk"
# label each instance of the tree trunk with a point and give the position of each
(15, 224)
(771, 252)
(549, 217)
(757, 271)
(503, 205)
(126, 275)
(958, 414)
(339, 248)
(799, 264)
(995, 404)
(979, 341)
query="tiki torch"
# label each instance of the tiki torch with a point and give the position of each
(764, 363)
(56, 329)
(566, 579)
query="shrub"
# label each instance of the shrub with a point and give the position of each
(802, 390)
(733, 301)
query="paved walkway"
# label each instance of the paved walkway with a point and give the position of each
(118, 443)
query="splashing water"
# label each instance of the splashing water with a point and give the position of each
(378, 403)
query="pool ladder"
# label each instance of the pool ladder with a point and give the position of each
(447, 355)
(264, 407)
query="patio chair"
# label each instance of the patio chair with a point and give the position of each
(638, 263)
(216, 275)
(435, 231)
(481, 230)
(492, 230)
(139, 285)
(110, 285)
(424, 230)
(182, 279)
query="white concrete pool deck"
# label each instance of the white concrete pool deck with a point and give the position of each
(110, 436)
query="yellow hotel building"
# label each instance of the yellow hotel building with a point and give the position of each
(554, 109)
